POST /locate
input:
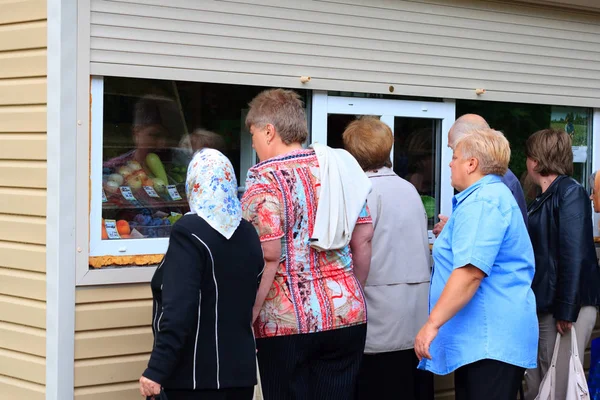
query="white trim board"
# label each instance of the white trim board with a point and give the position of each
(61, 245)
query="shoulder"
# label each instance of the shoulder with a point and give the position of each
(570, 187)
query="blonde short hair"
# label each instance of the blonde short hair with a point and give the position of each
(489, 147)
(283, 109)
(370, 141)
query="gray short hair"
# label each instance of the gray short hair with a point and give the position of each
(465, 125)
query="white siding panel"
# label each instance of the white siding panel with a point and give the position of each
(438, 48)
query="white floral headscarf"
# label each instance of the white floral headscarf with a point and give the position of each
(211, 190)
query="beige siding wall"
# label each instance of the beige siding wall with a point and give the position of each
(22, 199)
(113, 338)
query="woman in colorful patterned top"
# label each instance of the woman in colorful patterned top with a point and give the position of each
(310, 315)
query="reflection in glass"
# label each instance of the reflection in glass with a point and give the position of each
(151, 130)
(518, 121)
(414, 154)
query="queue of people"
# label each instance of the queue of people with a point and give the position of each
(322, 273)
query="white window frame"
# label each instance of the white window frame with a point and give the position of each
(323, 104)
(99, 247)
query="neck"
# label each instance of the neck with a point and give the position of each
(282, 148)
(546, 181)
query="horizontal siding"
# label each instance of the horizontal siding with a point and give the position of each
(28, 285)
(113, 340)
(22, 91)
(22, 118)
(107, 370)
(23, 38)
(123, 391)
(445, 49)
(112, 315)
(25, 256)
(24, 229)
(28, 35)
(24, 312)
(14, 11)
(112, 293)
(23, 146)
(23, 201)
(13, 335)
(16, 389)
(23, 366)
(22, 63)
(23, 174)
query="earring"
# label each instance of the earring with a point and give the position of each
(268, 142)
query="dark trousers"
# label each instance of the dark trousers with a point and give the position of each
(393, 375)
(488, 380)
(245, 393)
(314, 366)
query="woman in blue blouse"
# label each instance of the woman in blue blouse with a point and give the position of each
(482, 324)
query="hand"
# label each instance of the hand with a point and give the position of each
(437, 229)
(424, 338)
(563, 326)
(149, 388)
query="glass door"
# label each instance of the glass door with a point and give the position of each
(420, 153)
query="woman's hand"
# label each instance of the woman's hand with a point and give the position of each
(563, 326)
(424, 338)
(149, 388)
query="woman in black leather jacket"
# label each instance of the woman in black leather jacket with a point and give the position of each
(567, 279)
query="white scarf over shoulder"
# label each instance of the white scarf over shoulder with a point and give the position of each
(343, 193)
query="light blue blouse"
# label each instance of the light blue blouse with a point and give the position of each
(486, 229)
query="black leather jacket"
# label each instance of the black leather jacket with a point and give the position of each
(566, 267)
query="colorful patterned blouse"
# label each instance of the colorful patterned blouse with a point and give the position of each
(313, 291)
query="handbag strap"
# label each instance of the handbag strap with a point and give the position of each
(574, 349)
(555, 353)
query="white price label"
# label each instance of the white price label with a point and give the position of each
(151, 192)
(172, 189)
(111, 229)
(104, 199)
(127, 194)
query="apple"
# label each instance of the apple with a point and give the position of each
(134, 182)
(124, 171)
(111, 187)
(116, 178)
(134, 165)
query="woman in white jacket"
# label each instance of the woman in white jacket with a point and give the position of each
(398, 282)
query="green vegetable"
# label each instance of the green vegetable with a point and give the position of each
(429, 204)
(156, 166)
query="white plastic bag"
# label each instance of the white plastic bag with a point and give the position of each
(577, 388)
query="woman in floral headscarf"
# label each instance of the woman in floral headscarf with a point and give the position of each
(204, 290)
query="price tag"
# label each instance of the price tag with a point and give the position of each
(151, 192)
(111, 229)
(104, 199)
(172, 189)
(127, 194)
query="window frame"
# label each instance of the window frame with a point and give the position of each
(443, 111)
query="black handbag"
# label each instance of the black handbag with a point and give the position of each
(161, 396)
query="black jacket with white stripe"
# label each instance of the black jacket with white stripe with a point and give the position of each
(204, 290)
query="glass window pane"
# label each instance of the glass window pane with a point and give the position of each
(518, 121)
(151, 130)
(415, 144)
